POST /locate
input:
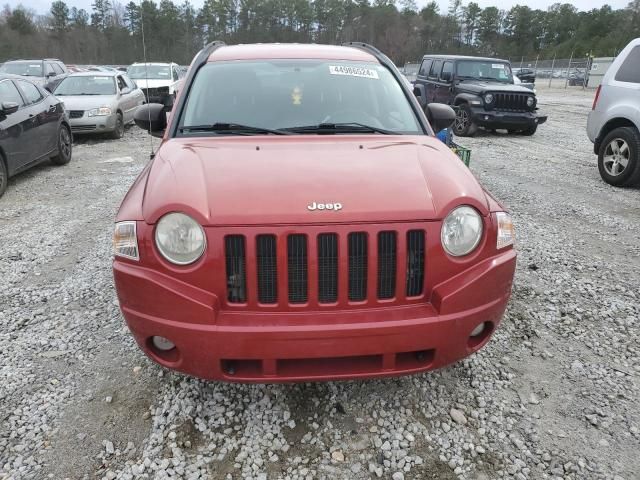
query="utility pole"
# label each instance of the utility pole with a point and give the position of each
(566, 82)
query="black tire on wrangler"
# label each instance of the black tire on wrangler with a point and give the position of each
(619, 157)
(4, 176)
(530, 130)
(65, 143)
(464, 126)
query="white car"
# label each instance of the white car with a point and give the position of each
(99, 102)
(158, 81)
(614, 121)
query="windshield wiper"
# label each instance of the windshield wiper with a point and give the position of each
(232, 129)
(346, 127)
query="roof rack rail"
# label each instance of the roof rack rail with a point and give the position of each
(372, 50)
(201, 58)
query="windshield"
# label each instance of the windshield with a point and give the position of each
(26, 69)
(86, 85)
(154, 72)
(485, 70)
(279, 94)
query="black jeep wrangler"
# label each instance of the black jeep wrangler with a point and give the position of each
(483, 91)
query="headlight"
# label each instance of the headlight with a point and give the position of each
(531, 101)
(488, 98)
(180, 239)
(506, 232)
(99, 112)
(461, 231)
(125, 240)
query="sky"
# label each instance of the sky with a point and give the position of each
(42, 6)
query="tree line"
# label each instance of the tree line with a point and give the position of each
(113, 32)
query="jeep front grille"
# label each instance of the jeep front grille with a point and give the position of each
(511, 102)
(325, 268)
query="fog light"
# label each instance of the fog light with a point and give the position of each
(478, 330)
(162, 343)
(486, 117)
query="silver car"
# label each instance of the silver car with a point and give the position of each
(614, 121)
(99, 102)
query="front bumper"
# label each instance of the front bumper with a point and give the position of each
(257, 346)
(509, 120)
(99, 124)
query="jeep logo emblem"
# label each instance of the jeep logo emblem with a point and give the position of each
(324, 206)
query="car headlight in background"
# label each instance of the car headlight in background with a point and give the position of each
(99, 112)
(531, 101)
(506, 232)
(488, 98)
(461, 231)
(125, 240)
(180, 239)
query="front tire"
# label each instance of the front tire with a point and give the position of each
(530, 131)
(619, 157)
(4, 176)
(464, 126)
(118, 132)
(64, 146)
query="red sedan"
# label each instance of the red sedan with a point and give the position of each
(300, 221)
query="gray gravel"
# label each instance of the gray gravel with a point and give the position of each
(555, 394)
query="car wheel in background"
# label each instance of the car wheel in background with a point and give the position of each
(4, 176)
(619, 157)
(530, 131)
(464, 125)
(118, 132)
(65, 143)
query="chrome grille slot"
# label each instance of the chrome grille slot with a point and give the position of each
(386, 265)
(267, 266)
(236, 268)
(297, 268)
(357, 242)
(415, 262)
(327, 268)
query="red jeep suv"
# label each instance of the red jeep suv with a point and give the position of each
(300, 221)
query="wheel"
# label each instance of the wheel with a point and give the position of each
(118, 132)
(619, 157)
(4, 176)
(530, 130)
(464, 126)
(64, 146)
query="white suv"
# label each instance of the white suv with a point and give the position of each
(158, 81)
(614, 121)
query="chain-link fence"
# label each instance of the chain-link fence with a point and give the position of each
(555, 73)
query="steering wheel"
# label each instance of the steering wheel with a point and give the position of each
(351, 115)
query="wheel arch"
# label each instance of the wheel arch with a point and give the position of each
(610, 126)
(464, 98)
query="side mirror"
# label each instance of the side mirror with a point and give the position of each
(9, 107)
(420, 93)
(51, 74)
(152, 118)
(440, 116)
(445, 76)
(125, 91)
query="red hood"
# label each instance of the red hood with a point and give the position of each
(267, 180)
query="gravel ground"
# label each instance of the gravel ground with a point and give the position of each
(555, 394)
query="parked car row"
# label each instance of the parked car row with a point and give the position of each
(43, 103)
(33, 127)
